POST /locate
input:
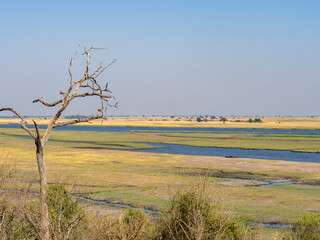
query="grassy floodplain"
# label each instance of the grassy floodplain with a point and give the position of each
(90, 160)
(268, 122)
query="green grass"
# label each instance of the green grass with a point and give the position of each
(142, 179)
(132, 140)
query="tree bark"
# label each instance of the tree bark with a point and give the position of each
(45, 219)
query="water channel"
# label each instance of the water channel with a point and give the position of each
(208, 151)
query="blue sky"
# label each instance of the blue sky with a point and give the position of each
(173, 57)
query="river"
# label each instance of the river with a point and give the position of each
(208, 151)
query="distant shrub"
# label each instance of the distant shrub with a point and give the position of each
(256, 120)
(199, 119)
(223, 119)
(75, 116)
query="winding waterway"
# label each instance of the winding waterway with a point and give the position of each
(207, 151)
(233, 152)
(175, 129)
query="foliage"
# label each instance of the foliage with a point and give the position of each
(223, 119)
(65, 213)
(256, 120)
(13, 223)
(306, 228)
(75, 116)
(199, 119)
(130, 225)
(191, 215)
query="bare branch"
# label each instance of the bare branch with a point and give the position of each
(71, 63)
(106, 67)
(37, 129)
(87, 81)
(94, 48)
(22, 123)
(76, 121)
(47, 104)
(116, 105)
(92, 94)
(12, 110)
(23, 126)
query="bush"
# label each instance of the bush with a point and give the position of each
(223, 119)
(191, 215)
(131, 225)
(12, 221)
(65, 213)
(257, 120)
(199, 119)
(65, 216)
(306, 228)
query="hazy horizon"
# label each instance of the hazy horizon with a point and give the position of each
(242, 58)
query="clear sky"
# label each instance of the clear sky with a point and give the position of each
(240, 57)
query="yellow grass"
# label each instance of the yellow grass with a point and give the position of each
(142, 178)
(270, 122)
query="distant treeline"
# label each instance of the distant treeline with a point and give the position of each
(75, 116)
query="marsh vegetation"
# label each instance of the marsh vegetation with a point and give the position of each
(89, 162)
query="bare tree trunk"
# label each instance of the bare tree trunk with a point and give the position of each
(87, 86)
(44, 225)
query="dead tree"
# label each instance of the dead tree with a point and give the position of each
(87, 86)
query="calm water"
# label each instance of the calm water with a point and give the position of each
(236, 152)
(208, 151)
(174, 129)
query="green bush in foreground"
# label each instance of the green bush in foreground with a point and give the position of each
(306, 228)
(130, 225)
(65, 213)
(192, 216)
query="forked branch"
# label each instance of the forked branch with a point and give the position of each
(22, 123)
(87, 86)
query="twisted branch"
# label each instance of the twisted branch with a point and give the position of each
(89, 86)
(75, 121)
(22, 123)
(47, 104)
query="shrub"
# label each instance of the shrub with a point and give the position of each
(199, 119)
(191, 215)
(306, 228)
(257, 120)
(131, 225)
(65, 216)
(65, 213)
(223, 119)
(12, 221)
